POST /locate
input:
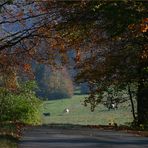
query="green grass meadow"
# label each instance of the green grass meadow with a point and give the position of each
(79, 114)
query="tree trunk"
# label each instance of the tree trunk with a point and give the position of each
(132, 103)
(142, 93)
(142, 104)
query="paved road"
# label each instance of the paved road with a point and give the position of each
(47, 137)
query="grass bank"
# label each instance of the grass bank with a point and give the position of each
(8, 142)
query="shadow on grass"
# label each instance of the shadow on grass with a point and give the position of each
(80, 126)
(114, 127)
(63, 126)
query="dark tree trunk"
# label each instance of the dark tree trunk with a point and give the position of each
(132, 103)
(142, 104)
(142, 93)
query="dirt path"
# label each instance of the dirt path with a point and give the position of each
(47, 137)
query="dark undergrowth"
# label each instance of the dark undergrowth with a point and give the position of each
(8, 142)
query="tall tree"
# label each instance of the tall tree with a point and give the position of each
(125, 60)
(53, 82)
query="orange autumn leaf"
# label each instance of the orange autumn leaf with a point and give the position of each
(144, 25)
(20, 14)
(78, 56)
(27, 67)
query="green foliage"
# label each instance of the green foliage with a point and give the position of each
(10, 1)
(20, 106)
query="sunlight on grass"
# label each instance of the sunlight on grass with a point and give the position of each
(82, 115)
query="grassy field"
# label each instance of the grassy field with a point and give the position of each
(82, 115)
(7, 143)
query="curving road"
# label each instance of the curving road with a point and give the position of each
(47, 137)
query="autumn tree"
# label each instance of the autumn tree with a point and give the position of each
(124, 58)
(61, 83)
(28, 33)
(55, 83)
(109, 39)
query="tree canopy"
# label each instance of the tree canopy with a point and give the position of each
(108, 39)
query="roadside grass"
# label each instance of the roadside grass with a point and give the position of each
(7, 142)
(8, 135)
(79, 114)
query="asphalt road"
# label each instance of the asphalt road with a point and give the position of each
(47, 137)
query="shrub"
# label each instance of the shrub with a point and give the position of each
(21, 105)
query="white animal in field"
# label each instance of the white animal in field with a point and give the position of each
(114, 105)
(66, 110)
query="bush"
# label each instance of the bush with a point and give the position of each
(21, 105)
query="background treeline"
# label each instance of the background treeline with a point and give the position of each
(53, 83)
